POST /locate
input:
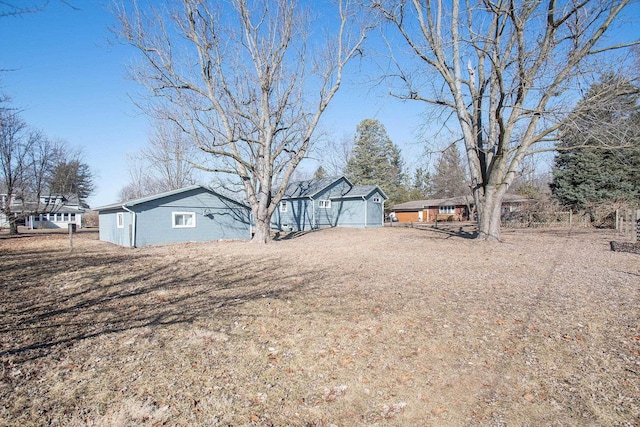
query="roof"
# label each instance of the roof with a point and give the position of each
(135, 202)
(420, 204)
(309, 187)
(312, 187)
(453, 201)
(363, 191)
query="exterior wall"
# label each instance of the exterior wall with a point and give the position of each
(375, 211)
(299, 216)
(109, 232)
(360, 213)
(305, 214)
(430, 214)
(216, 218)
(55, 220)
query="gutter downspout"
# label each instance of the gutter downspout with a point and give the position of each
(314, 223)
(365, 211)
(133, 225)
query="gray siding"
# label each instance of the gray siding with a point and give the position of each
(299, 216)
(305, 214)
(216, 218)
(109, 232)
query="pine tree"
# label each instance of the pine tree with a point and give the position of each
(421, 185)
(376, 160)
(586, 171)
(450, 178)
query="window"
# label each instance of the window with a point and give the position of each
(284, 207)
(447, 209)
(376, 199)
(120, 220)
(184, 219)
(324, 204)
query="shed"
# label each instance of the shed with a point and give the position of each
(191, 214)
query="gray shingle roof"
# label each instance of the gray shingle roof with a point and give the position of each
(308, 188)
(162, 195)
(364, 191)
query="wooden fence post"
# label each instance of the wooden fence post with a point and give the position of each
(71, 227)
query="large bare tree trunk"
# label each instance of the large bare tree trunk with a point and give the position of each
(489, 216)
(502, 69)
(13, 226)
(244, 80)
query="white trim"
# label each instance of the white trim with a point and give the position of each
(120, 220)
(324, 204)
(192, 224)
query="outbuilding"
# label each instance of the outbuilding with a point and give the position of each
(191, 214)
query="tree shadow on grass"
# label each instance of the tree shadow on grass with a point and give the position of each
(449, 230)
(48, 304)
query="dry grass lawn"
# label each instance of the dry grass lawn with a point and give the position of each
(384, 327)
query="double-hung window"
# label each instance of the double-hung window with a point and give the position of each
(284, 207)
(183, 219)
(120, 220)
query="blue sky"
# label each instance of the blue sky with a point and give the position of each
(70, 79)
(71, 82)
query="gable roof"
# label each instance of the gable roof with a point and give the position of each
(310, 187)
(139, 201)
(362, 191)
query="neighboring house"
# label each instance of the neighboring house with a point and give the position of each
(329, 202)
(449, 209)
(191, 214)
(54, 211)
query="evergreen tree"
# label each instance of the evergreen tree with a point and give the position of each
(421, 185)
(450, 178)
(376, 160)
(586, 171)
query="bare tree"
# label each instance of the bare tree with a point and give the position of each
(170, 154)
(167, 162)
(503, 69)
(26, 160)
(23, 7)
(336, 154)
(249, 84)
(14, 147)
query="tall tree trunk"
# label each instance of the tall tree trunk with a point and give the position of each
(13, 226)
(262, 216)
(489, 214)
(262, 232)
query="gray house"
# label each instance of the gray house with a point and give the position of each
(191, 214)
(329, 202)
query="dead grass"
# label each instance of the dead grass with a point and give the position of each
(341, 327)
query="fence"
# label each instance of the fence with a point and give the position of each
(545, 220)
(627, 223)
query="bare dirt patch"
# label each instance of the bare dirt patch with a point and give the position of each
(388, 327)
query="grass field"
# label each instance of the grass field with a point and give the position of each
(385, 327)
